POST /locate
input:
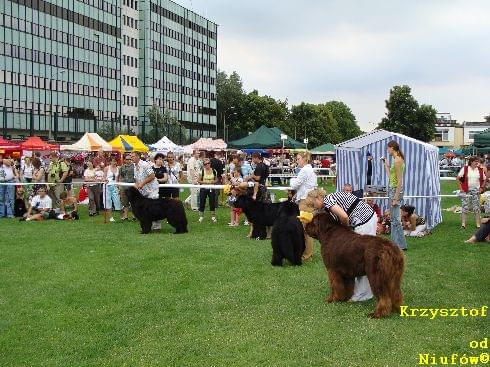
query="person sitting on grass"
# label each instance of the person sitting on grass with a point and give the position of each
(482, 234)
(413, 224)
(68, 206)
(41, 205)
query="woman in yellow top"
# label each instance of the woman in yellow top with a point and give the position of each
(395, 192)
(208, 176)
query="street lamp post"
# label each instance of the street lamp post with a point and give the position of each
(305, 140)
(51, 100)
(224, 121)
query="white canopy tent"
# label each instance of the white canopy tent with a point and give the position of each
(165, 145)
(90, 142)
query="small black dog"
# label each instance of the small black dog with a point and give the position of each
(288, 238)
(149, 210)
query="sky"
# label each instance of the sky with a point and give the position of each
(355, 51)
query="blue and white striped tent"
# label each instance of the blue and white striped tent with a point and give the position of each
(421, 176)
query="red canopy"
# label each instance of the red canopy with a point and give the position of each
(8, 147)
(36, 143)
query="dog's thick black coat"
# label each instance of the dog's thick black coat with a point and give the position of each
(260, 214)
(288, 238)
(149, 210)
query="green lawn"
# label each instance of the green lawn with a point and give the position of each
(92, 294)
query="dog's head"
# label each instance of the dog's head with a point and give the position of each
(133, 194)
(243, 201)
(289, 208)
(321, 223)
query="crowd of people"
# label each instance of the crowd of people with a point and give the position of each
(56, 200)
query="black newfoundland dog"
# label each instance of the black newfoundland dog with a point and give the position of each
(288, 238)
(149, 210)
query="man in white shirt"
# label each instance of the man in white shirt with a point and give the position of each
(145, 181)
(192, 175)
(41, 205)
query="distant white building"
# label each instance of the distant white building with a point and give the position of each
(471, 128)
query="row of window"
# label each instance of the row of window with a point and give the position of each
(181, 20)
(186, 107)
(56, 35)
(56, 85)
(130, 61)
(45, 109)
(182, 55)
(177, 70)
(103, 5)
(71, 16)
(160, 84)
(57, 61)
(130, 41)
(131, 4)
(130, 101)
(130, 81)
(130, 22)
(160, 28)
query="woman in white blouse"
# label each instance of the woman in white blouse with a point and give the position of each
(303, 184)
(471, 179)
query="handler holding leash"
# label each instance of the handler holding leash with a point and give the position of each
(350, 211)
(303, 184)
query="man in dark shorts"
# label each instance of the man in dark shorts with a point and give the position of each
(219, 167)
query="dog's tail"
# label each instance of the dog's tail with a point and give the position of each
(388, 274)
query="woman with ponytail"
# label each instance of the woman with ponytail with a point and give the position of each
(395, 192)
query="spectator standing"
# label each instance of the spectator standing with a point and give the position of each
(126, 175)
(193, 171)
(218, 166)
(395, 192)
(93, 189)
(57, 174)
(7, 190)
(27, 170)
(208, 177)
(303, 184)
(100, 158)
(174, 171)
(111, 177)
(471, 179)
(69, 178)
(160, 173)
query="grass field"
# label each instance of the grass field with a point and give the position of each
(92, 294)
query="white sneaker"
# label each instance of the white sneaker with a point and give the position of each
(201, 219)
(111, 219)
(214, 219)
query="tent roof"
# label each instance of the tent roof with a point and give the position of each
(207, 144)
(128, 143)
(377, 135)
(482, 139)
(265, 137)
(325, 148)
(167, 145)
(36, 143)
(89, 142)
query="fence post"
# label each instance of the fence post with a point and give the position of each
(31, 123)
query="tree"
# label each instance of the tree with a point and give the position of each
(108, 131)
(405, 116)
(487, 119)
(165, 123)
(346, 121)
(230, 95)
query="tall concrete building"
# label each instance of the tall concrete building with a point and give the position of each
(70, 66)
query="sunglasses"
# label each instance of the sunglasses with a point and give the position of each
(205, 163)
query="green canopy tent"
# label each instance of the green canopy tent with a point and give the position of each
(265, 137)
(482, 139)
(324, 149)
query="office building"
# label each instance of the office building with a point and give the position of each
(70, 66)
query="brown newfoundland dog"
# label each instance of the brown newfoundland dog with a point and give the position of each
(347, 254)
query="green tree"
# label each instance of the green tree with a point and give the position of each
(487, 119)
(230, 95)
(405, 116)
(346, 121)
(164, 123)
(108, 131)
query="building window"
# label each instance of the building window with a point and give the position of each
(442, 135)
(471, 134)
